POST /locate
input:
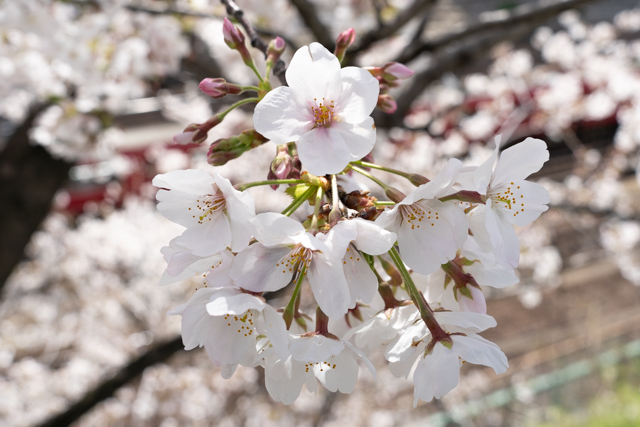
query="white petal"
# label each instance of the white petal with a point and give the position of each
(359, 94)
(496, 276)
(315, 348)
(402, 348)
(476, 304)
(390, 219)
(371, 238)
(482, 175)
(212, 237)
(474, 322)
(362, 282)
(272, 228)
(436, 374)
(358, 137)
(366, 360)
(236, 304)
(190, 181)
(440, 186)
(477, 350)
(530, 206)
(328, 284)
(240, 208)
(338, 373)
(324, 151)
(311, 70)
(340, 236)
(256, 268)
(281, 382)
(273, 326)
(520, 161)
(283, 116)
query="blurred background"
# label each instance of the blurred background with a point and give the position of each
(91, 94)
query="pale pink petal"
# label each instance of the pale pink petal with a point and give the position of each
(328, 284)
(359, 94)
(324, 151)
(496, 276)
(315, 348)
(235, 304)
(213, 236)
(470, 321)
(190, 181)
(311, 69)
(272, 325)
(475, 349)
(363, 284)
(476, 304)
(436, 374)
(358, 137)
(258, 268)
(272, 228)
(371, 238)
(282, 116)
(518, 162)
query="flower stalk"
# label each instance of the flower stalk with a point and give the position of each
(298, 202)
(414, 178)
(242, 187)
(418, 299)
(290, 310)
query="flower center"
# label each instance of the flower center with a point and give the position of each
(321, 365)
(418, 216)
(511, 199)
(323, 112)
(294, 259)
(207, 206)
(243, 324)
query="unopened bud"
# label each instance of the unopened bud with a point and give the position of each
(275, 49)
(218, 88)
(417, 179)
(223, 150)
(234, 38)
(282, 166)
(394, 194)
(196, 133)
(395, 71)
(344, 40)
(387, 104)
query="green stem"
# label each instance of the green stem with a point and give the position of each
(298, 202)
(236, 105)
(368, 175)
(290, 310)
(384, 203)
(242, 187)
(316, 211)
(418, 299)
(255, 88)
(416, 179)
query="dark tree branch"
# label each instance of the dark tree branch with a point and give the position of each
(525, 14)
(106, 389)
(29, 179)
(417, 8)
(238, 14)
(467, 49)
(310, 17)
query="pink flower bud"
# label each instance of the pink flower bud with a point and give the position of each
(476, 305)
(387, 104)
(218, 88)
(275, 49)
(344, 40)
(396, 71)
(233, 37)
(184, 138)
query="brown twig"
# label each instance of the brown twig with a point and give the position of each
(309, 15)
(417, 8)
(238, 14)
(524, 14)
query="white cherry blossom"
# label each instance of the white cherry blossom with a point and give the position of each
(216, 215)
(182, 264)
(382, 328)
(325, 109)
(429, 231)
(313, 358)
(227, 323)
(349, 237)
(283, 249)
(436, 366)
(510, 200)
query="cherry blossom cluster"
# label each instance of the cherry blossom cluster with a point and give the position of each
(357, 254)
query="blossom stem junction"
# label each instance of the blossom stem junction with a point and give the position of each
(242, 187)
(414, 178)
(298, 202)
(426, 313)
(465, 196)
(290, 310)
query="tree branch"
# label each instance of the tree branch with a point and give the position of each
(29, 179)
(238, 14)
(524, 14)
(309, 15)
(467, 49)
(417, 8)
(106, 389)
